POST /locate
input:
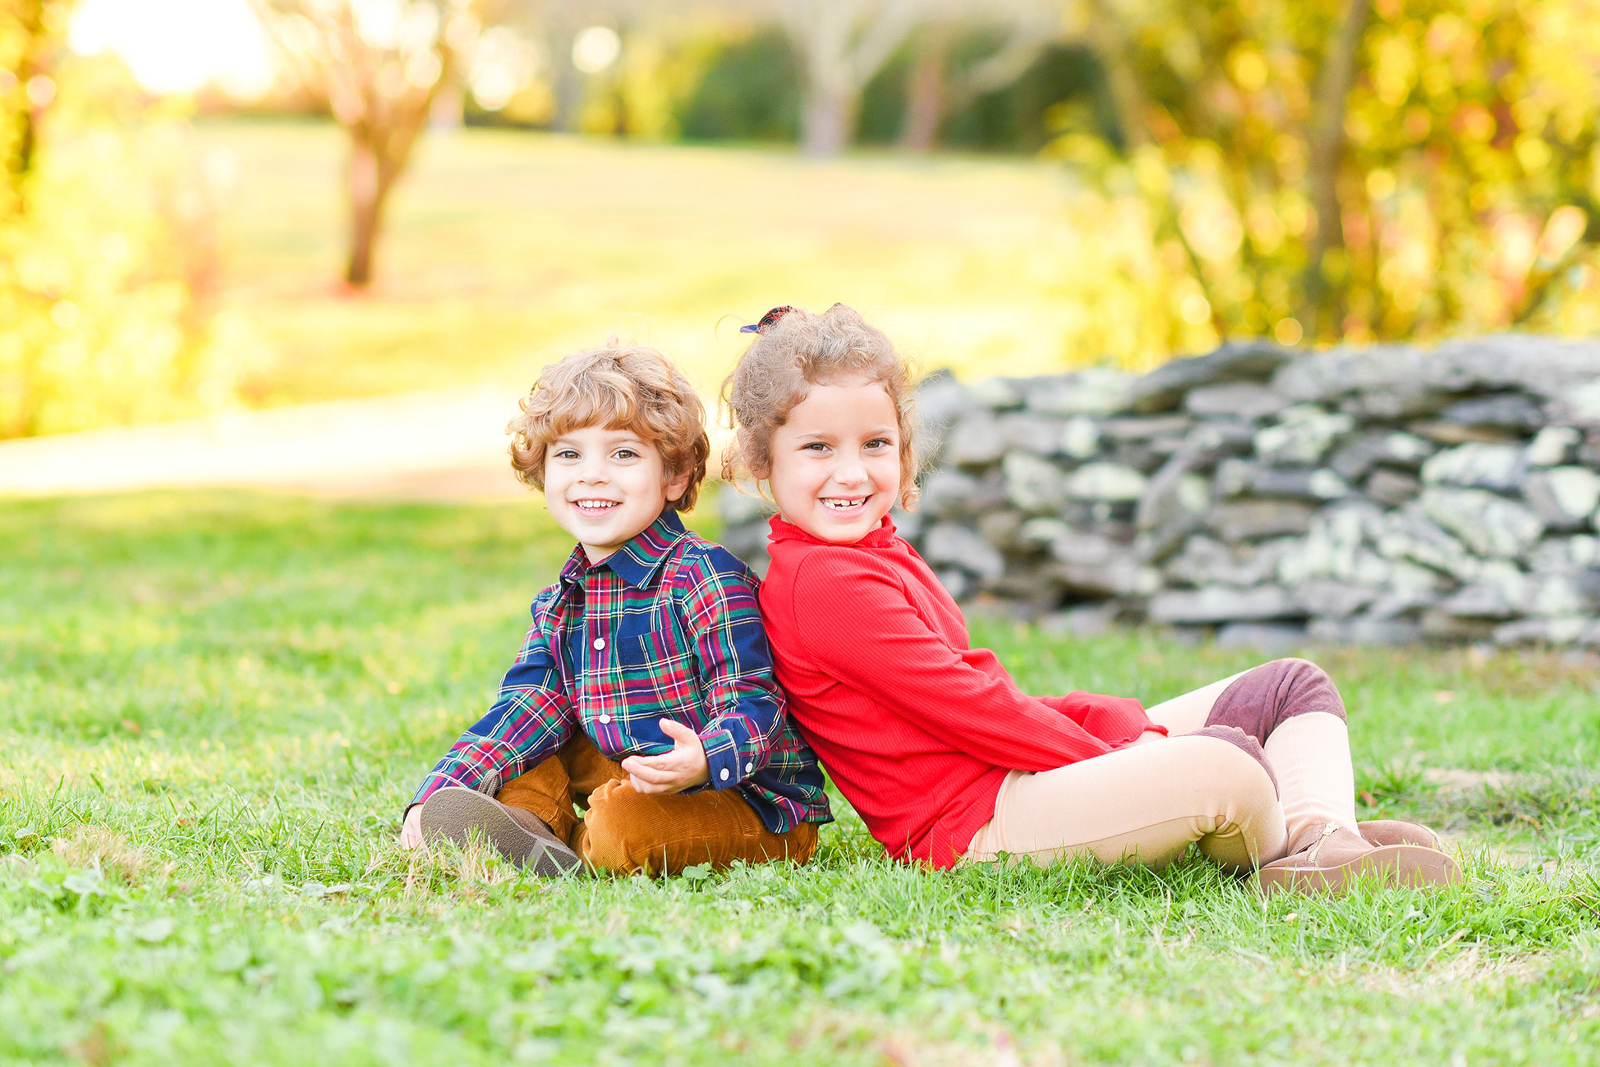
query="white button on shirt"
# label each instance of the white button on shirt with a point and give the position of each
(748, 767)
(724, 774)
(605, 718)
(599, 643)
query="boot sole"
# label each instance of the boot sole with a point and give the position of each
(1409, 866)
(452, 812)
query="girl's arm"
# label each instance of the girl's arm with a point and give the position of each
(860, 628)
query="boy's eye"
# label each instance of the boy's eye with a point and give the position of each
(626, 453)
(567, 453)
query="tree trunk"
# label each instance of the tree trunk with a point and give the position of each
(925, 91)
(828, 120)
(366, 208)
(1327, 153)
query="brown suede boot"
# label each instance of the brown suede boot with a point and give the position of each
(1341, 856)
(452, 812)
(1396, 832)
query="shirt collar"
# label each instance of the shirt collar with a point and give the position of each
(637, 561)
(879, 536)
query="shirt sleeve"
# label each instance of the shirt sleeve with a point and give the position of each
(861, 628)
(744, 705)
(531, 719)
(1114, 720)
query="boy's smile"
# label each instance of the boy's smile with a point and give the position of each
(836, 460)
(605, 487)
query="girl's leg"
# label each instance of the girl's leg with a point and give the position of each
(1294, 710)
(1145, 803)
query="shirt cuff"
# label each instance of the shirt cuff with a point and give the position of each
(438, 779)
(722, 759)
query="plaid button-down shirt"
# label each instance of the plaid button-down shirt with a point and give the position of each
(666, 627)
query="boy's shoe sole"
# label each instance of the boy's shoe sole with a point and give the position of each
(452, 812)
(1409, 866)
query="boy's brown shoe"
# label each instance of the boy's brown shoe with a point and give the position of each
(452, 812)
(1340, 857)
(1396, 832)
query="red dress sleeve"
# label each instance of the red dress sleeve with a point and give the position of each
(1114, 720)
(963, 696)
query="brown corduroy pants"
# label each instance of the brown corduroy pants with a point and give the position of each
(651, 833)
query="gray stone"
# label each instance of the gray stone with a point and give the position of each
(1391, 488)
(1325, 376)
(1556, 631)
(949, 545)
(1031, 433)
(1220, 603)
(1480, 600)
(975, 441)
(1251, 520)
(1033, 484)
(909, 524)
(1476, 466)
(1360, 454)
(1514, 411)
(1080, 438)
(1143, 428)
(1082, 621)
(1105, 481)
(996, 394)
(1039, 532)
(948, 493)
(1163, 388)
(1095, 391)
(1489, 525)
(1563, 497)
(1236, 477)
(1579, 405)
(1215, 438)
(1364, 631)
(1329, 598)
(1456, 629)
(1553, 446)
(1302, 434)
(1000, 528)
(1455, 433)
(1121, 575)
(1553, 595)
(1401, 400)
(1236, 400)
(1261, 636)
(1409, 533)
(1204, 561)
(1559, 555)
(1086, 548)
(1546, 366)
(941, 399)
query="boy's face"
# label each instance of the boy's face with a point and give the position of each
(605, 487)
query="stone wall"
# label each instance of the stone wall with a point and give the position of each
(1374, 495)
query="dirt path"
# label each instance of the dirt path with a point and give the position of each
(446, 445)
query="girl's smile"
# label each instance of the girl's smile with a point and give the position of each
(836, 460)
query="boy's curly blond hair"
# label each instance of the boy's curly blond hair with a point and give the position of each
(787, 358)
(620, 387)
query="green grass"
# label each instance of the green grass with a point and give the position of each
(213, 706)
(504, 249)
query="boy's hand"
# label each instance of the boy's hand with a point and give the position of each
(671, 772)
(411, 829)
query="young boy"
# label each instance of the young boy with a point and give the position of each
(644, 691)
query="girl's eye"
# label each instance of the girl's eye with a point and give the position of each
(815, 446)
(880, 442)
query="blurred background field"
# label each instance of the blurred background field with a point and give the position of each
(507, 248)
(218, 205)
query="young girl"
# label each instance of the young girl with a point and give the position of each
(930, 739)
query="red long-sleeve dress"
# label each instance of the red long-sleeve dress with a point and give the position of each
(917, 728)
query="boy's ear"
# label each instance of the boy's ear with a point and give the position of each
(676, 486)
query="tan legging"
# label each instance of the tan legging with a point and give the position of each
(1147, 803)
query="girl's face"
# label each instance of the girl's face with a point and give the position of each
(836, 460)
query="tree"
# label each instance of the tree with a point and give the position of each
(31, 32)
(380, 64)
(841, 44)
(1356, 169)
